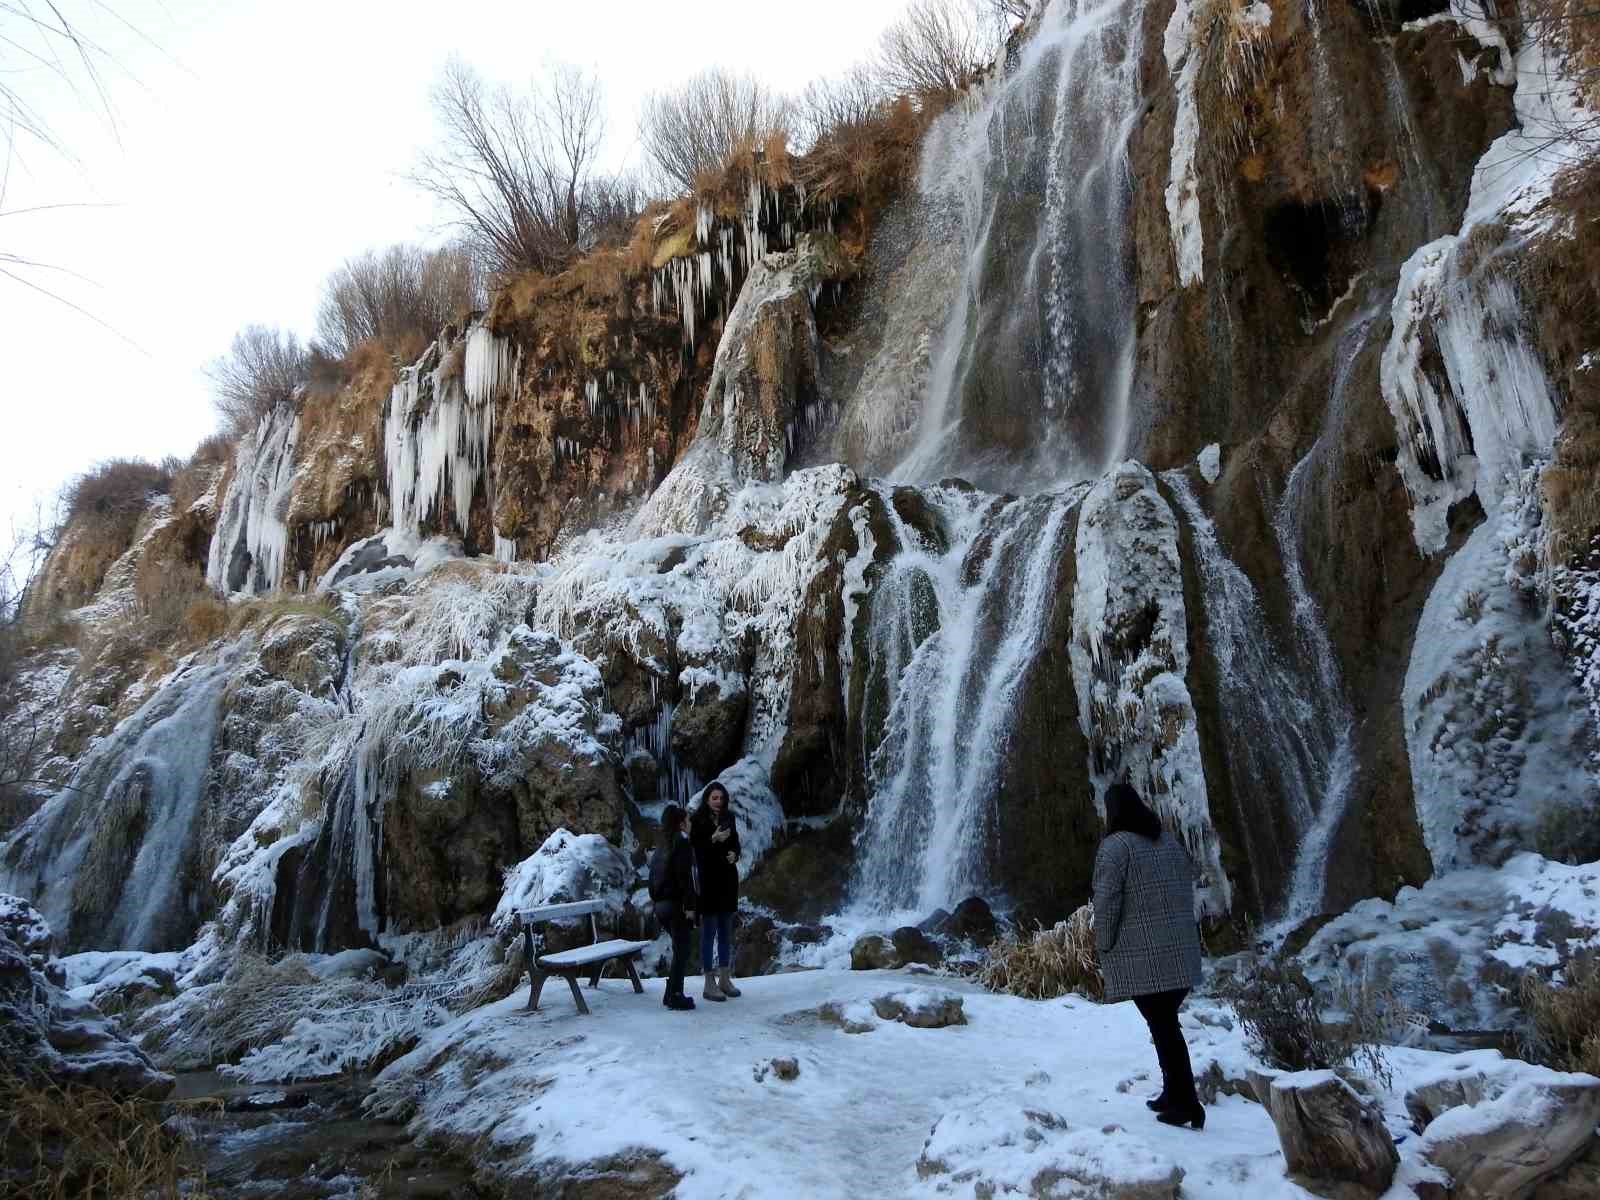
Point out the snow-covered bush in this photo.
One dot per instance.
(1047, 962)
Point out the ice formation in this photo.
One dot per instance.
(251, 542)
(437, 428)
(1184, 48)
(1130, 660)
(1495, 731)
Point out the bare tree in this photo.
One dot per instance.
(1008, 11)
(693, 129)
(262, 368)
(935, 49)
(848, 100)
(396, 296)
(613, 205)
(513, 169)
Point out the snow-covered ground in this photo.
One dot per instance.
(1022, 1087)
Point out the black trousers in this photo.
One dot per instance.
(681, 929)
(1160, 1012)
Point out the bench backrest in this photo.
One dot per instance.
(557, 912)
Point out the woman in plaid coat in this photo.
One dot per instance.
(1149, 945)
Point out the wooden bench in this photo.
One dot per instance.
(589, 960)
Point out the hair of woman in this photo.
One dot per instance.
(671, 822)
(1127, 813)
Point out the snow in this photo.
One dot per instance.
(1210, 461)
(566, 867)
(1028, 1097)
(24, 925)
(544, 1089)
(95, 970)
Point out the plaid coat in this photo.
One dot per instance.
(1144, 924)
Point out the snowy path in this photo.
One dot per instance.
(556, 1087)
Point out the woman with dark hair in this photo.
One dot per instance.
(672, 887)
(1144, 928)
(716, 849)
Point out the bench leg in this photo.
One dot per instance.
(633, 974)
(538, 977)
(594, 979)
(577, 994)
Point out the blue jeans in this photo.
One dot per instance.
(716, 931)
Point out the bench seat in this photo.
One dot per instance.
(584, 956)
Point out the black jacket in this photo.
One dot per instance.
(681, 889)
(719, 878)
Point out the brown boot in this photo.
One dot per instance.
(712, 992)
(725, 983)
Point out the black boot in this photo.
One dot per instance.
(1194, 1117)
(679, 1002)
(1158, 1103)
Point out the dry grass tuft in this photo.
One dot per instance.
(1564, 1018)
(82, 1143)
(1046, 963)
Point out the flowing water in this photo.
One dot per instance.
(1032, 370)
(965, 623)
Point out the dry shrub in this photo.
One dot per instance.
(1563, 1019)
(398, 298)
(79, 1142)
(693, 129)
(264, 610)
(1046, 963)
(1283, 1021)
(117, 489)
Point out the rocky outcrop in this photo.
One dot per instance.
(921, 1008)
(47, 1034)
(1505, 1145)
(1331, 1135)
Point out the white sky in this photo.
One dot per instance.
(256, 145)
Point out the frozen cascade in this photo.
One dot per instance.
(145, 780)
(251, 539)
(954, 674)
(1056, 125)
(437, 429)
(1283, 756)
(1130, 661)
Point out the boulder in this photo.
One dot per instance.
(804, 880)
(854, 1017)
(1505, 1146)
(872, 952)
(973, 921)
(889, 952)
(24, 925)
(708, 724)
(911, 945)
(46, 1033)
(1578, 1181)
(1329, 1133)
(922, 1008)
(755, 946)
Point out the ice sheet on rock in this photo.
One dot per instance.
(1130, 657)
(567, 867)
(1185, 53)
(1492, 409)
(756, 811)
(149, 777)
(1455, 948)
(1494, 731)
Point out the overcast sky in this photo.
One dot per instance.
(252, 146)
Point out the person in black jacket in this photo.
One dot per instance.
(716, 850)
(672, 887)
